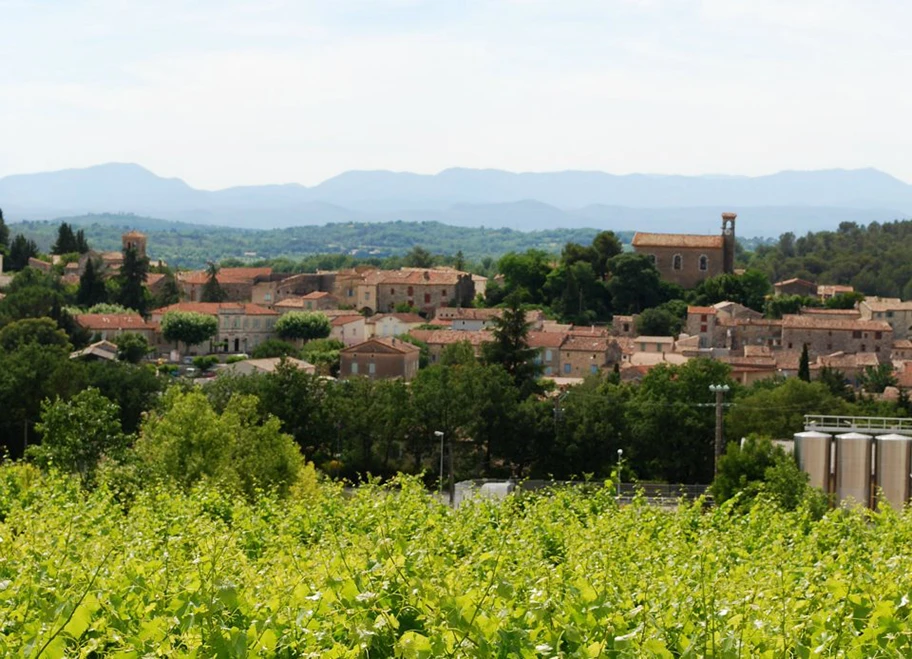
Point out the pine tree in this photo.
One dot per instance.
(132, 279)
(212, 290)
(92, 289)
(804, 365)
(510, 347)
(21, 250)
(66, 240)
(82, 245)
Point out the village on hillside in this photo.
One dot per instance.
(371, 311)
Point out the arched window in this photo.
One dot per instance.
(677, 262)
(704, 262)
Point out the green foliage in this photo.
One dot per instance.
(509, 346)
(844, 300)
(189, 441)
(760, 467)
(418, 257)
(131, 281)
(169, 292)
(302, 325)
(77, 433)
(20, 251)
(4, 234)
(212, 290)
(323, 353)
(132, 347)
(392, 573)
(205, 362)
(780, 305)
(634, 283)
(274, 348)
(658, 321)
(92, 288)
(875, 379)
(66, 242)
(189, 327)
(804, 365)
(750, 289)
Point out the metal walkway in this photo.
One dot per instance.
(868, 425)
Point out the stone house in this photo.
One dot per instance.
(827, 291)
(242, 326)
(236, 283)
(107, 326)
(268, 365)
(687, 260)
(548, 345)
(380, 358)
(701, 322)
(737, 333)
(586, 355)
(316, 301)
(438, 340)
(423, 289)
(623, 325)
(825, 336)
(795, 286)
(895, 312)
(654, 344)
(902, 350)
(350, 329)
(393, 324)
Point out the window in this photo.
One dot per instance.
(367, 295)
(392, 291)
(443, 293)
(354, 368)
(411, 291)
(702, 317)
(268, 297)
(593, 368)
(548, 370)
(256, 323)
(878, 335)
(547, 355)
(626, 327)
(862, 347)
(351, 292)
(704, 263)
(856, 334)
(790, 345)
(652, 259)
(829, 346)
(372, 368)
(889, 314)
(566, 368)
(427, 298)
(876, 348)
(677, 262)
(703, 328)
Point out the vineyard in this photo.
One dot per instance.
(388, 571)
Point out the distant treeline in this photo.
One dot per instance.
(192, 245)
(874, 259)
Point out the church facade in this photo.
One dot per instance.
(686, 259)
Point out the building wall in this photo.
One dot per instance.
(351, 333)
(689, 274)
(899, 319)
(425, 296)
(379, 366)
(549, 360)
(702, 325)
(828, 341)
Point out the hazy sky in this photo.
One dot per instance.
(220, 92)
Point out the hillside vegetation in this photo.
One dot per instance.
(191, 246)
(874, 259)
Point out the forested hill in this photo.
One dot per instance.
(191, 245)
(876, 259)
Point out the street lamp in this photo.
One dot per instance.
(439, 433)
(720, 390)
(620, 455)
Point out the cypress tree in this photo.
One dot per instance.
(132, 279)
(212, 290)
(21, 250)
(804, 365)
(92, 289)
(66, 240)
(4, 234)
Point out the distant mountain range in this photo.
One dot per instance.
(766, 205)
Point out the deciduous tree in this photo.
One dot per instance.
(302, 325)
(189, 327)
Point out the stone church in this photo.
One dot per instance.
(687, 259)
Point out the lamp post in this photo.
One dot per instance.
(620, 455)
(439, 433)
(720, 390)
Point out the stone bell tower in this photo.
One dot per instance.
(135, 240)
(728, 242)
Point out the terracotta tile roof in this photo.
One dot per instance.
(338, 321)
(225, 275)
(888, 305)
(834, 289)
(153, 278)
(842, 360)
(474, 314)
(588, 330)
(677, 240)
(447, 337)
(904, 376)
(902, 344)
(587, 343)
(413, 277)
(316, 295)
(115, 321)
(403, 347)
(757, 351)
(702, 310)
(213, 308)
(545, 339)
(653, 339)
(814, 311)
(822, 323)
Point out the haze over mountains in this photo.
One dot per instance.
(767, 205)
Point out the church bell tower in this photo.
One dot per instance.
(728, 241)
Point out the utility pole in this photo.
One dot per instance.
(452, 478)
(720, 391)
(439, 433)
